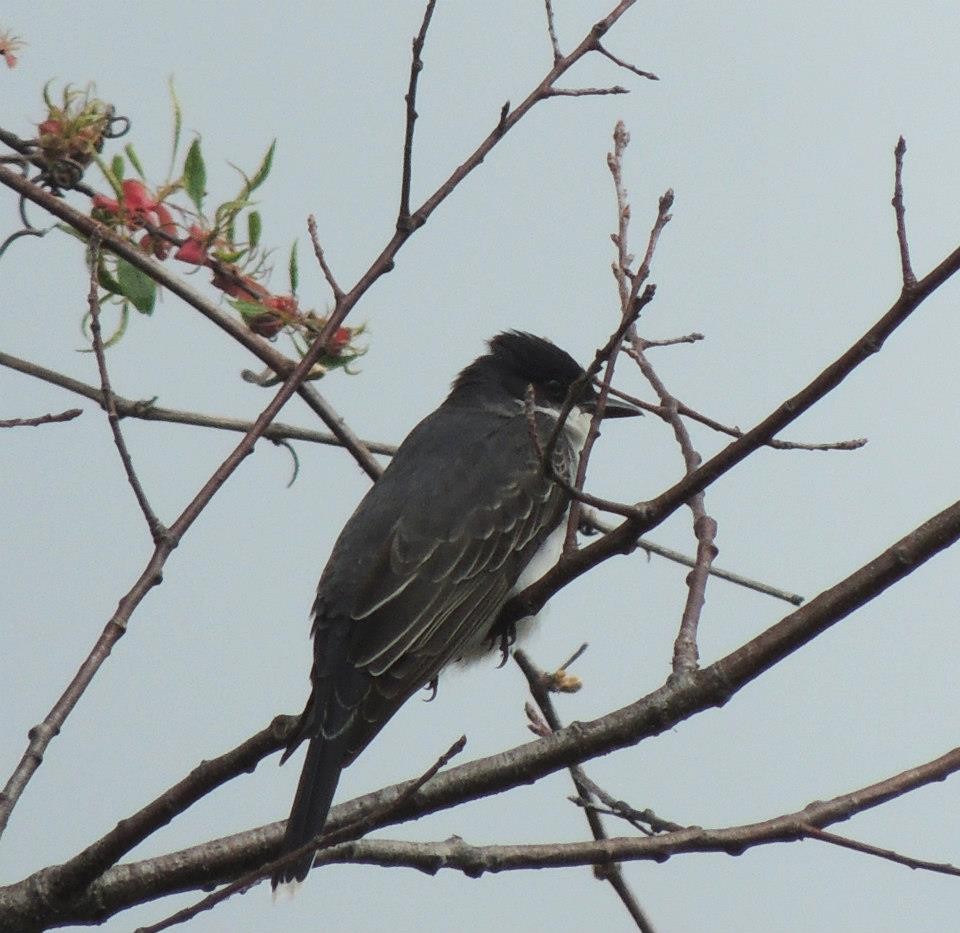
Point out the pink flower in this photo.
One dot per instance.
(136, 198)
(9, 44)
(194, 248)
(103, 203)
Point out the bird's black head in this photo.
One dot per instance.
(518, 360)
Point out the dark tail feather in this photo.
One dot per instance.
(318, 781)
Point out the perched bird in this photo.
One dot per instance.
(462, 518)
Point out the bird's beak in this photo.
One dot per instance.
(615, 408)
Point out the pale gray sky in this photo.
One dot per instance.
(775, 124)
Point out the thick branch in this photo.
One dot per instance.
(659, 711)
(655, 511)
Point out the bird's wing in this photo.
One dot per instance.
(442, 567)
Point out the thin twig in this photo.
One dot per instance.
(853, 444)
(909, 279)
(610, 872)
(157, 530)
(404, 220)
(318, 252)
(585, 91)
(685, 647)
(670, 341)
(685, 653)
(944, 868)
(651, 547)
(67, 415)
(619, 61)
(551, 29)
(148, 411)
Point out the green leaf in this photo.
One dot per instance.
(110, 177)
(247, 309)
(254, 227)
(195, 174)
(294, 269)
(136, 286)
(121, 327)
(228, 256)
(74, 233)
(177, 124)
(116, 166)
(260, 176)
(134, 161)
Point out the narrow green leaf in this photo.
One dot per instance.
(260, 176)
(116, 166)
(136, 286)
(254, 227)
(134, 160)
(247, 309)
(177, 124)
(195, 174)
(74, 233)
(229, 257)
(110, 177)
(294, 268)
(121, 327)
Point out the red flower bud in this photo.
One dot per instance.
(194, 249)
(136, 197)
(285, 304)
(338, 340)
(103, 203)
(50, 128)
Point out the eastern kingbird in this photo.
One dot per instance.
(462, 518)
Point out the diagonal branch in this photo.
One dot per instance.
(655, 511)
(536, 680)
(157, 530)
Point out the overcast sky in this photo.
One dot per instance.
(775, 125)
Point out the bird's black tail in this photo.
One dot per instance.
(318, 781)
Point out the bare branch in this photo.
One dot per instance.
(148, 411)
(685, 653)
(551, 29)
(67, 415)
(585, 91)
(845, 842)
(662, 709)
(619, 61)
(670, 341)
(853, 444)
(593, 519)
(157, 530)
(318, 252)
(536, 679)
(909, 279)
(416, 66)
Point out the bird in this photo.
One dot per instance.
(462, 518)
